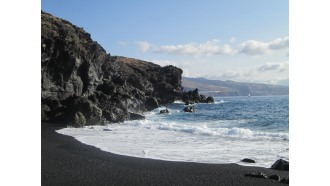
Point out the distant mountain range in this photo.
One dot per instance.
(232, 88)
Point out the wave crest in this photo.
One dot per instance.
(234, 132)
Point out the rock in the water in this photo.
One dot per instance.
(107, 130)
(285, 180)
(209, 99)
(247, 160)
(189, 109)
(274, 177)
(165, 111)
(194, 97)
(281, 165)
(256, 175)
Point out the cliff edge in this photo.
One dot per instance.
(81, 84)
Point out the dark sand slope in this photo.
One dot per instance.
(66, 161)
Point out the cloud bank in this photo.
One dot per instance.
(213, 47)
(253, 47)
(208, 48)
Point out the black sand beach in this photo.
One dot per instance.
(66, 161)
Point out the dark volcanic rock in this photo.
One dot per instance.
(209, 100)
(189, 109)
(165, 111)
(83, 85)
(247, 160)
(79, 119)
(281, 165)
(274, 177)
(193, 96)
(285, 180)
(151, 103)
(134, 116)
(256, 175)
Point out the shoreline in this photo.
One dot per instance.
(66, 161)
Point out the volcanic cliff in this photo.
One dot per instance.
(83, 85)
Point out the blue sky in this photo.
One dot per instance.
(240, 40)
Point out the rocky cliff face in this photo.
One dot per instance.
(83, 85)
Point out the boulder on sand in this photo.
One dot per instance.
(247, 160)
(281, 165)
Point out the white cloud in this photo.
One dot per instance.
(279, 43)
(213, 47)
(253, 47)
(208, 48)
(280, 67)
(143, 46)
(233, 39)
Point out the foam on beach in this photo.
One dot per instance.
(188, 137)
(166, 142)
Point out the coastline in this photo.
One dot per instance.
(66, 161)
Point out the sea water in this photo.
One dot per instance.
(227, 131)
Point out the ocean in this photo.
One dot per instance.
(226, 131)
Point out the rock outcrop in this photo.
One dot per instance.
(193, 96)
(81, 84)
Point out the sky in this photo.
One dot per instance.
(239, 40)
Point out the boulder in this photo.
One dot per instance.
(79, 119)
(285, 180)
(84, 107)
(247, 160)
(281, 165)
(189, 109)
(165, 111)
(209, 100)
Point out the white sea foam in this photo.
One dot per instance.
(167, 141)
(203, 129)
(178, 136)
(179, 102)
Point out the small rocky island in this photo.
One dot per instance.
(82, 85)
